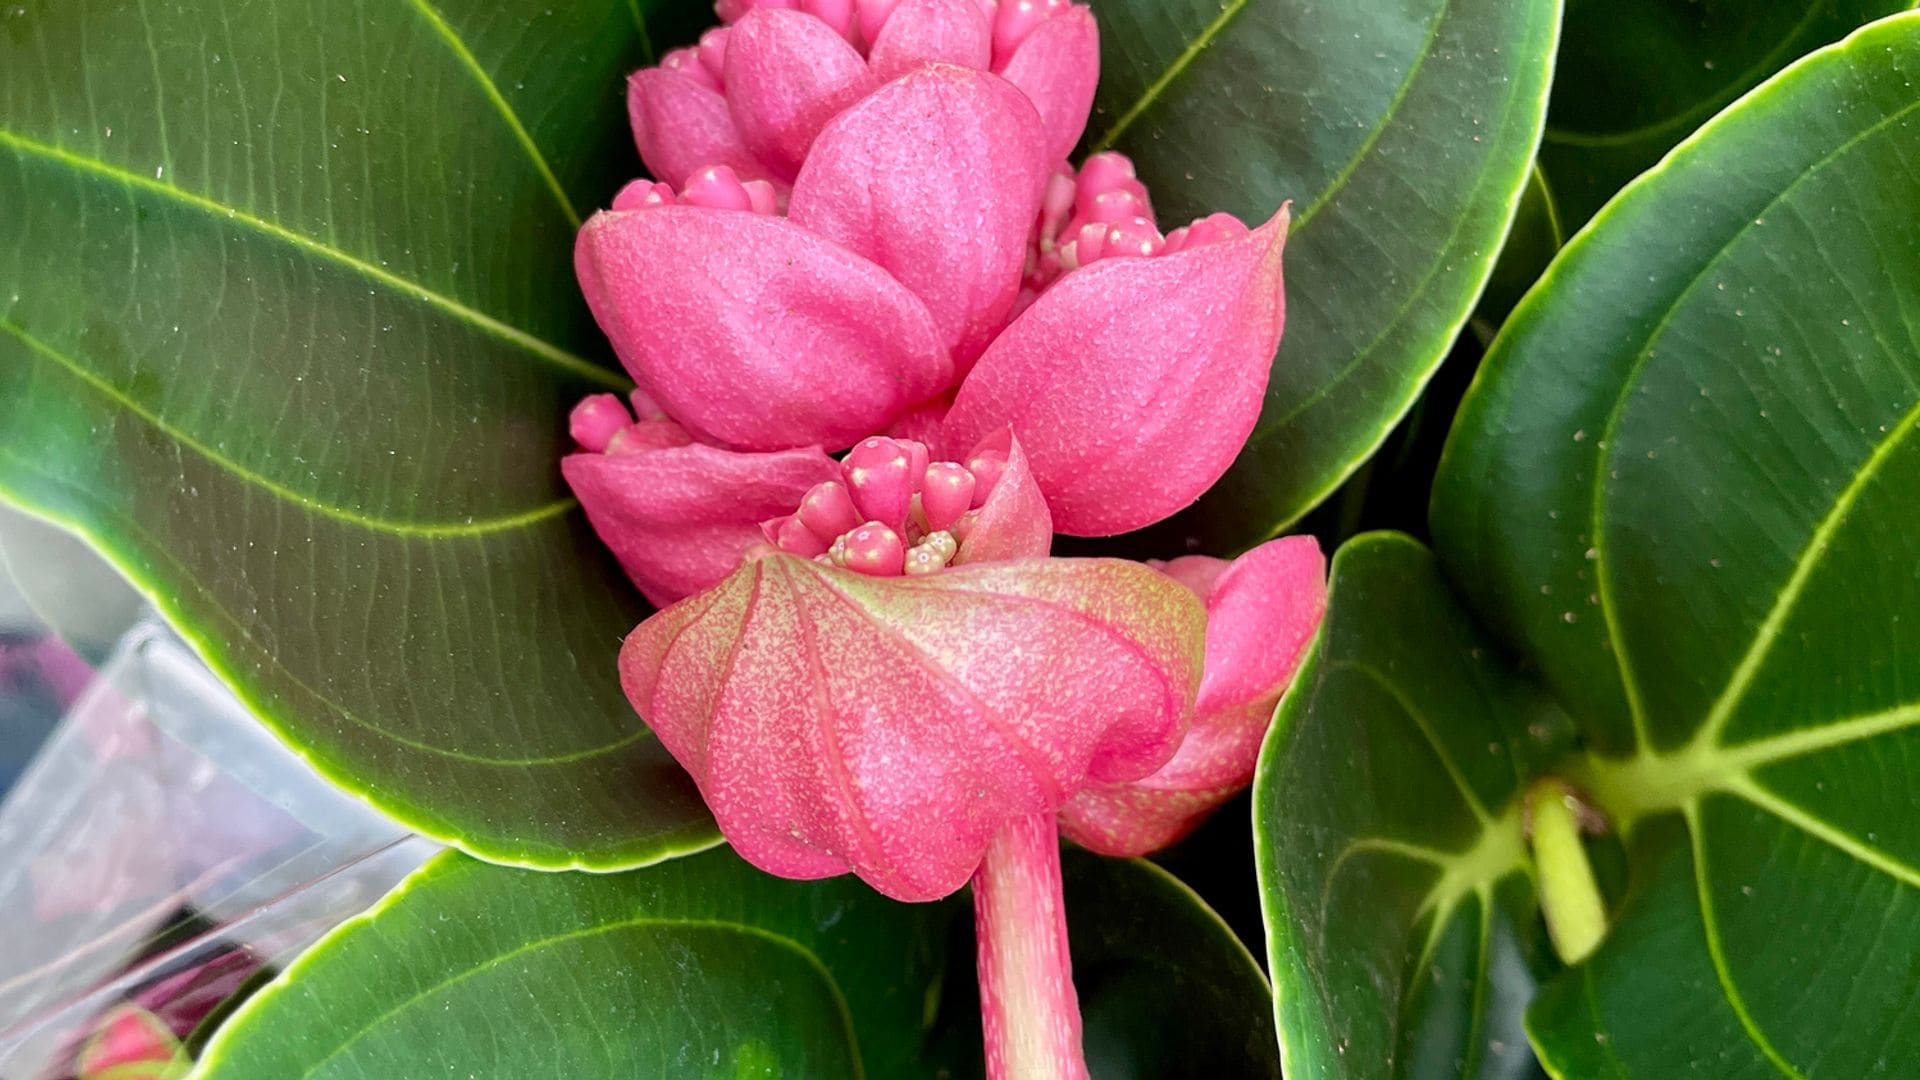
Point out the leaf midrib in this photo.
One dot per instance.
(465, 528)
(538, 348)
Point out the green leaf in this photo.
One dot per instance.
(1403, 133)
(1685, 486)
(1403, 934)
(1537, 236)
(288, 329)
(1637, 76)
(698, 967)
(1166, 989)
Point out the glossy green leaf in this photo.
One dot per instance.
(1685, 486)
(1166, 990)
(288, 329)
(1637, 76)
(1402, 133)
(1402, 930)
(698, 967)
(1537, 236)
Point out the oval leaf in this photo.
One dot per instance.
(698, 967)
(288, 329)
(1685, 485)
(1403, 135)
(1403, 933)
(1634, 77)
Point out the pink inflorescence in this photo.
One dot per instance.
(1103, 212)
(892, 512)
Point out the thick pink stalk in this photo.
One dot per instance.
(1028, 1009)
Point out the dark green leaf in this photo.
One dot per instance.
(1166, 990)
(1637, 76)
(1403, 134)
(1685, 486)
(1404, 937)
(288, 328)
(698, 967)
(1537, 236)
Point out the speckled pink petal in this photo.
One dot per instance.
(682, 127)
(891, 726)
(937, 177)
(1013, 522)
(932, 31)
(1132, 383)
(679, 518)
(788, 73)
(1058, 66)
(753, 332)
(1262, 614)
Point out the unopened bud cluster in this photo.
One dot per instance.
(892, 512)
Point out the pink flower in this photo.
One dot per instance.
(872, 666)
(928, 257)
(1262, 612)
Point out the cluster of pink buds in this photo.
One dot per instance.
(753, 94)
(893, 511)
(1103, 212)
(717, 187)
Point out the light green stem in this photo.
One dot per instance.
(1569, 897)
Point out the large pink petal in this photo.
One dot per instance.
(1058, 66)
(890, 726)
(679, 518)
(682, 127)
(788, 73)
(1132, 383)
(937, 177)
(932, 31)
(1262, 614)
(753, 332)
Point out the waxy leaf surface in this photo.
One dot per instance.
(1403, 934)
(288, 328)
(1634, 77)
(1683, 490)
(1686, 487)
(701, 966)
(1402, 132)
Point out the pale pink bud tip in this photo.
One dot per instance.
(986, 468)
(875, 550)
(790, 534)
(828, 511)
(946, 493)
(1015, 20)
(643, 195)
(881, 476)
(596, 420)
(688, 62)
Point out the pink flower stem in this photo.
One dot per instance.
(1028, 1009)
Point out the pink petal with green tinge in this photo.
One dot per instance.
(890, 726)
(1263, 610)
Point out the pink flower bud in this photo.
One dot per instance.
(875, 550)
(879, 474)
(946, 493)
(594, 422)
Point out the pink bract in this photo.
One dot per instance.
(891, 726)
(1263, 610)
